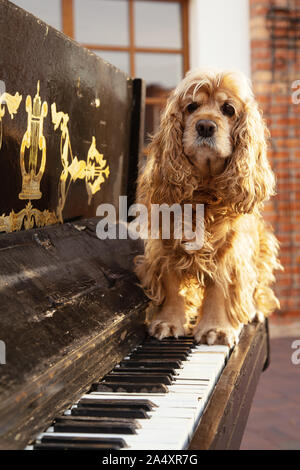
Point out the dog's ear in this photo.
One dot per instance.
(168, 171)
(250, 179)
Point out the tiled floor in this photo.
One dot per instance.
(274, 420)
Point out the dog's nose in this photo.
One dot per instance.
(206, 128)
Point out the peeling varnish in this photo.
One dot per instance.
(95, 103)
(79, 94)
(123, 335)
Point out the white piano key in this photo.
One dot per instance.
(213, 367)
(185, 381)
(173, 412)
(187, 389)
(170, 418)
(189, 397)
(218, 348)
(168, 423)
(193, 374)
(205, 358)
(170, 426)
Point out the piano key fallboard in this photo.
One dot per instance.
(153, 399)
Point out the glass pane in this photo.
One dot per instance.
(50, 12)
(101, 22)
(158, 24)
(152, 120)
(116, 58)
(163, 71)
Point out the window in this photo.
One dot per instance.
(144, 38)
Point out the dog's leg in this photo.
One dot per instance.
(214, 326)
(170, 318)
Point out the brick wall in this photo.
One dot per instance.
(275, 61)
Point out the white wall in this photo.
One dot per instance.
(50, 12)
(219, 34)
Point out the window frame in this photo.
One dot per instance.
(68, 28)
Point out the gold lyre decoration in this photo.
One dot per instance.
(93, 171)
(12, 103)
(32, 169)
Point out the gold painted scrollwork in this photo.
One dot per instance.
(93, 171)
(28, 217)
(96, 170)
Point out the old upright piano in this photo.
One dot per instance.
(77, 369)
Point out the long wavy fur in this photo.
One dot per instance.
(233, 204)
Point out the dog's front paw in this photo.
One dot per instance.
(161, 329)
(226, 335)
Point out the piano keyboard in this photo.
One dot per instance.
(152, 400)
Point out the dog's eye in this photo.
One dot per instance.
(192, 107)
(227, 109)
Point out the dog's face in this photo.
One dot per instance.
(211, 141)
(210, 113)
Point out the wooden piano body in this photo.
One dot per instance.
(71, 133)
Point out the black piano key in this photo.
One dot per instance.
(164, 347)
(158, 356)
(91, 424)
(150, 363)
(157, 370)
(138, 371)
(92, 419)
(180, 340)
(180, 355)
(130, 387)
(137, 378)
(78, 446)
(164, 352)
(146, 405)
(106, 441)
(170, 346)
(112, 412)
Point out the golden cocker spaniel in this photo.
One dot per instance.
(210, 149)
